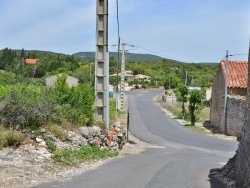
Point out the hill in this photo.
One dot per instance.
(90, 56)
(129, 56)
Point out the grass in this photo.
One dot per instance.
(76, 156)
(202, 113)
(201, 130)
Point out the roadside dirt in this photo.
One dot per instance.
(27, 165)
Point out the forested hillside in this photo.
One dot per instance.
(129, 56)
(167, 72)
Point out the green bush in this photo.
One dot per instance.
(32, 106)
(26, 106)
(112, 110)
(50, 143)
(78, 100)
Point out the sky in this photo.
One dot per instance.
(184, 30)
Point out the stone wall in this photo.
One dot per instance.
(216, 103)
(236, 107)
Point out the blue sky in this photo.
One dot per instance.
(186, 30)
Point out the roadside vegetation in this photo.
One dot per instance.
(28, 106)
(76, 156)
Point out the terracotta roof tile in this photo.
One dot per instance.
(31, 61)
(237, 73)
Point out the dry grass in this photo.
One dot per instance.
(57, 131)
(10, 137)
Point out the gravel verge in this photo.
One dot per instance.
(26, 167)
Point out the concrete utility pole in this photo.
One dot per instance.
(102, 63)
(122, 87)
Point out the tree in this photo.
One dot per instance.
(195, 98)
(7, 61)
(22, 56)
(184, 92)
(112, 65)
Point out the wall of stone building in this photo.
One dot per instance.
(236, 106)
(216, 102)
(237, 91)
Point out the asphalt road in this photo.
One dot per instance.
(178, 158)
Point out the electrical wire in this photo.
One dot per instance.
(153, 51)
(118, 55)
(118, 36)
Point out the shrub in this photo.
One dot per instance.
(14, 138)
(77, 101)
(3, 141)
(28, 106)
(144, 86)
(50, 143)
(58, 132)
(112, 110)
(33, 106)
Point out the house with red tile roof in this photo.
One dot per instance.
(232, 118)
(31, 61)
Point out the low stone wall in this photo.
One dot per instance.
(114, 139)
(104, 139)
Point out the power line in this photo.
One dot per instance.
(118, 50)
(153, 51)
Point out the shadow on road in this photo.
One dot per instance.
(131, 142)
(214, 183)
(211, 127)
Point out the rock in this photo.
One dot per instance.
(115, 138)
(119, 134)
(39, 140)
(77, 140)
(24, 131)
(42, 129)
(91, 131)
(102, 136)
(123, 131)
(117, 124)
(96, 128)
(84, 131)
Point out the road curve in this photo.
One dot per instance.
(180, 159)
